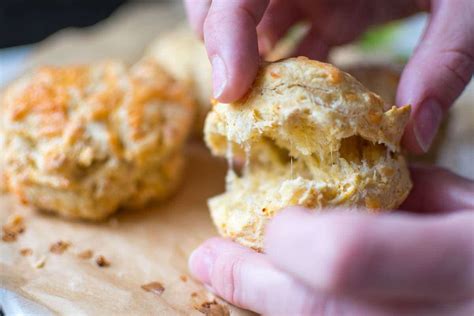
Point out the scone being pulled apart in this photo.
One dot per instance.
(83, 141)
(311, 135)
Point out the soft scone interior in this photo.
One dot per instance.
(310, 135)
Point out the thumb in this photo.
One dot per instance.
(439, 70)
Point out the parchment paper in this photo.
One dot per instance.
(143, 246)
(152, 244)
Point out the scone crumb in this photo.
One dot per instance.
(40, 263)
(102, 262)
(59, 247)
(154, 287)
(212, 308)
(85, 254)
(8, 236)
(194, 294)
(14, 226)
(26, 252)
(183, 278)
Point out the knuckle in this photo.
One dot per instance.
(227, 277)
(210, 22)
(460, 63)
(253, 9)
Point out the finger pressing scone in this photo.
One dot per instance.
(82, 141)
(311, 135)
(184, 56)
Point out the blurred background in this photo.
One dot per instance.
(29, 21)
(26, 22)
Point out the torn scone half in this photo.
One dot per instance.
(311, 135)
(83, 141)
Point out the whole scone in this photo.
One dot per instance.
(184, 56)
(311, 135)
(83, 141)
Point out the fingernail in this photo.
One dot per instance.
(219, 76)
(427, 121)
(200, 264)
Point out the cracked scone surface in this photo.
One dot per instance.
(382, 79)
(311, 135)
(184, 56)
(83, 141)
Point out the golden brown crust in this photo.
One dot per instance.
(308, 96)
(80, 139)
(312, 136)
(380, 78)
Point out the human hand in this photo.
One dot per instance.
(348, 263)
(236, 31)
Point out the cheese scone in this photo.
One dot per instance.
(311, 135)
(83, 141)
(184, 56)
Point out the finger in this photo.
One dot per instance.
(277, 20)
(244, 278)
(313, 46)
(196, 11)
(398, 257)
(439, 70)
(247, 279)
(231, 41)
(437, 190)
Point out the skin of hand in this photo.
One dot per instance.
(348, 263)
(236, 32)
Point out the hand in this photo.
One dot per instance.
(235, 31)
(346, 263)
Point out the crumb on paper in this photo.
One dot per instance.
(154, 287)
(102, 262)
(14, 226)
(59, 247)
(114, 222)
(194, 294)
(85, 254)
(40, 263)
(8, 236)
(212, 308)
(26, 252)
(183, 278)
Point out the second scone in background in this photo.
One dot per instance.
(83, 141)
